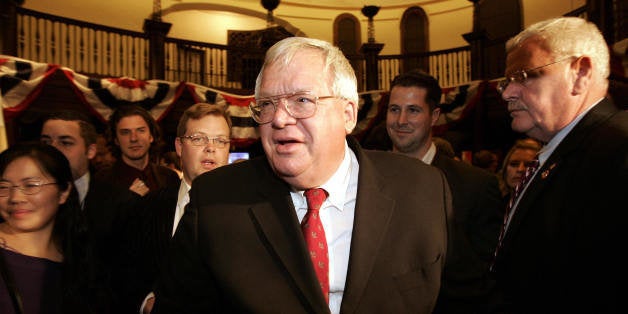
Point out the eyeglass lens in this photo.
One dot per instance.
(28, 188)
(298, 105)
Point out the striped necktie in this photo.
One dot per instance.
(527, 175)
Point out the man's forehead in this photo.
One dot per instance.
(65, 123)
(132, 122)
(410, 95)
(61, 128)
(210, 121)
(524, 55)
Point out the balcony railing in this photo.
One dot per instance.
(85, 47)
(451, 67)
(103, 51)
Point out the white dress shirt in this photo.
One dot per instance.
(336, 215)
(82, 186)
(182, 199)
(430, 154)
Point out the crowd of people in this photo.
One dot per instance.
(102, 223)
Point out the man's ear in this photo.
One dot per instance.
(351, 115)
(583, 71)
(435, 115)
(91, 151)
(177, 146)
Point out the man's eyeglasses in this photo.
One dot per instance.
(203, 140)
(521, 76)
(27, 188)
(299, 105)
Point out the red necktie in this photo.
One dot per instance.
(314, 235)
(527, 175)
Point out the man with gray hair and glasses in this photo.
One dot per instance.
(317, 225)
(561, 246)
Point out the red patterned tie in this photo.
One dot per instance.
(314, 235)
(527, 175)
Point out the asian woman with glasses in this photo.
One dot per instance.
(44, 254)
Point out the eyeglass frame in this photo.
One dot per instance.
(218, 142)
(22, 188)
(503, 84)
(274, 100)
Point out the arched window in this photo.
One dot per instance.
(348, 37)
(414, 38)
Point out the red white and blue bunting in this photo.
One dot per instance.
(21, 82)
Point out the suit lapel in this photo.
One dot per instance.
(373, 211)
(600, 113)
(281, 232)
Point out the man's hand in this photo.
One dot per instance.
(138, 186)
(148, 305)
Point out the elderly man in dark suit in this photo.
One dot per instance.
(562, 250)
(317, 225)
(412, 111)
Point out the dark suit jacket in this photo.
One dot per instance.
(239, 246)
(107, 207)
(131, 235)
(156, 177)
(564, 250)
(144, 235)
(149, 231)
(467, 285)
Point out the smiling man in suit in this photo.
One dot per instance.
(562, 251)
(249, 241)
(412, 112)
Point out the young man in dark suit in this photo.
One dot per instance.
(376, 227)
(106, 205)
(412, 111)
(133, 135)
(75, 136)
(562, 250)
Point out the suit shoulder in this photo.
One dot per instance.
(168, 173)
(397, 164)
(241, 173)
(464, 169)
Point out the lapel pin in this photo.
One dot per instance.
(545, 173)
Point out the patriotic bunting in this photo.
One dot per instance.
(21, 82)
(105, 95)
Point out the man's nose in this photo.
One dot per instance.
(281, 116)
(403, 117)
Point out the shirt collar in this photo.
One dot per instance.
(336, 186)
(183, 197)
(82, 185)
(429, 155)
(549, 148)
